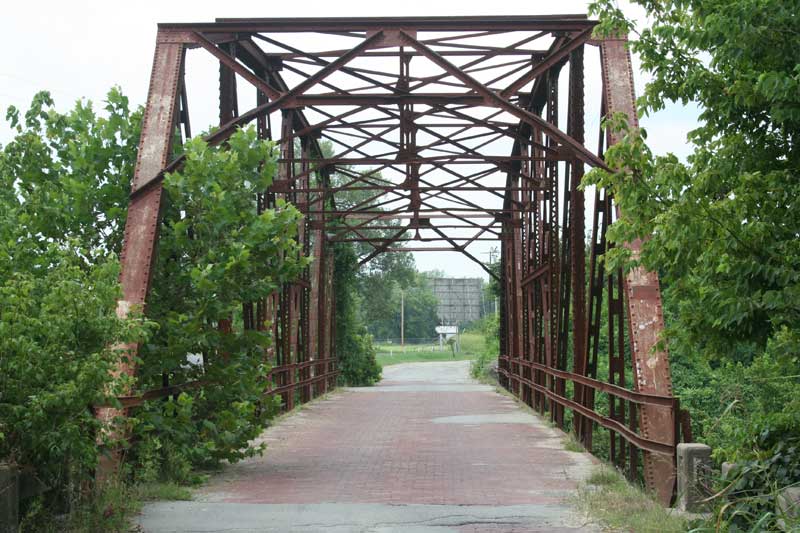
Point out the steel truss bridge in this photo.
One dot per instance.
(419, 134)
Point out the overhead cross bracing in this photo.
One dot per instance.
(421, 117)
(433, 134)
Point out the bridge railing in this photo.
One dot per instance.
(544, 389)
(309, 379)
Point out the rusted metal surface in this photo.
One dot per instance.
(142, 225)
(642, 295)
(652, 446)
(442, 133)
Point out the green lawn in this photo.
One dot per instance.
(388, 354)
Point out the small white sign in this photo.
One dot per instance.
(447, 330)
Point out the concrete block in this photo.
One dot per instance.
(9, 499)
(788, 506)
(726, 469)
(694, 461)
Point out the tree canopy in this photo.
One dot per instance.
(64, 184)
(722, 228)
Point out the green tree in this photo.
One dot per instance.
(420, 310)
(66, 176)
(63, 196)
(216, 252)
(379, 284)
(722, 228)
(381, 293)
(354, 349)
(63, 182)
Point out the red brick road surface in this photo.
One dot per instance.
(427, 435)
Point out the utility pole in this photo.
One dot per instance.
(493, 252)
(402, 319)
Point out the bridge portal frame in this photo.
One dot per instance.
(550, 311)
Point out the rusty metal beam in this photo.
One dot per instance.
(493, 98)
(548, 62)
(142, 224)
(643, 295)
(498, 23)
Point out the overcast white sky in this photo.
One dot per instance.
(80, 49)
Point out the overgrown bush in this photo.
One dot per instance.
(64, 183)
(748, 498)
(62, 191)
(56, 327)
(216, 251)
(489, 327)
(354, 349)
(750, 414)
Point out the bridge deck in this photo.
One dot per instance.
(419, 452)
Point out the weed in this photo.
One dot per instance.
(603, 477)
(607, 497)
(106, 510)
(161, 491)
(572, 445)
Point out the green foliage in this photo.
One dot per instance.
(722, 228)
(752, 486)
(62, 183)
(749, 415)
(492, 289)
(380, 288)
(420, 310)
(65, 177)
(216, 251)
(354, 348)
(110, 510)
(490, 328)
(56, 327)
(64, 191)
(734, 402)
(472, 342)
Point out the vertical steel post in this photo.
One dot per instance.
(502, 364)
(316, 291)
(302, 203)
(142, 224)
(288, 307)
(646, 321)
(330, 321)
(575, 128)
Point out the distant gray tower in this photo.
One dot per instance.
(460, 299)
